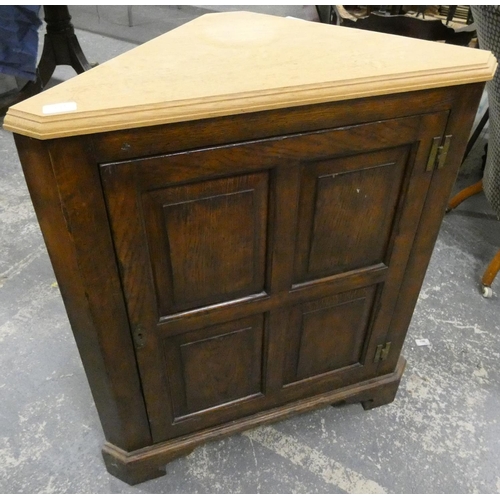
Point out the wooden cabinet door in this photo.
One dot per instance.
(260, 272)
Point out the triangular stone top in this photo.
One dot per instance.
(239, 62)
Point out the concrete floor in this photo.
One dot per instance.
(441, 434)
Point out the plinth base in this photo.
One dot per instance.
(148, 463)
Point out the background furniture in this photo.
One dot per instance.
(243, 250)
(404, 21)
(487, 18)
(61, 47)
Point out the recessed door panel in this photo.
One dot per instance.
(348, 206)
(207, 241)
(215, 366)
(328, 334)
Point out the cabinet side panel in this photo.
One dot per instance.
(460, 121)
(67, 198)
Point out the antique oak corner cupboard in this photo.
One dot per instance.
(240, 214)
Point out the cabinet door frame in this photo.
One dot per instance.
(126, 187)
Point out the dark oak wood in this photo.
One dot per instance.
(148, 463)
(200, 381)
(179, 137)
(225, 273)
(459, 124)
(221, 224)
(328, 334)
(190, 231)
(366, 187)
(58, 174)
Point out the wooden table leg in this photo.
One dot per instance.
(464, 194)
(490, 274)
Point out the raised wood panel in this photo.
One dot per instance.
(327, 338)
(222, 249)
(327, 334)
(216, 365)
(207, 241)
(347, 208)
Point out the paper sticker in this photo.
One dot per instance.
(60, 107)
(421, 342)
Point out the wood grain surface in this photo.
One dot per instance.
(240, 62)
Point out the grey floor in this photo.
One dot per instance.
(441, 434)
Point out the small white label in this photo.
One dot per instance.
(421, 342)
(60, 107)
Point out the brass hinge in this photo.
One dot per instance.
(139, 335)
(382, 352)
(438, 153)
(443, 152)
